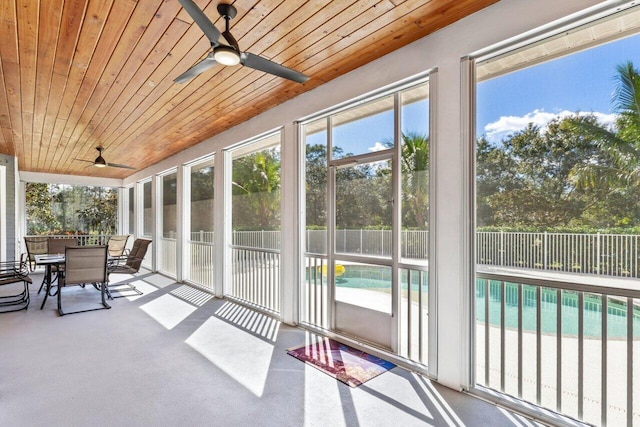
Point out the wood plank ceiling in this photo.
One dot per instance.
(77, 74)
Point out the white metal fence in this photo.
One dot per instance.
(201, 270)
(565, 346)
(83, 239)
(414, 244)
(256, 277)
(598, 254)
(168, 256)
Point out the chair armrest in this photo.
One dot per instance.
(13, 270)
(115, 261)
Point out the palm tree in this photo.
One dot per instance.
(257, 178)
(415, 179)
(619, 166)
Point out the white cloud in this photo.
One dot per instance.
(506, 125)
(377, 147)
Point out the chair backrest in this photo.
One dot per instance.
(137, 253)
(56, 246)
(117, 244)
(36, 246)
(85, 264)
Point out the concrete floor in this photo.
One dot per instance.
(177, 356)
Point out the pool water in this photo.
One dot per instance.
(380, 280)
(592, 314)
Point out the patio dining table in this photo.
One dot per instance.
(48, 261)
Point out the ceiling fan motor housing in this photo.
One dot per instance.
(227, 11)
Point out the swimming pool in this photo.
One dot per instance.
(362, 277)
(592, 313)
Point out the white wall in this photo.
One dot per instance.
(50, 178)
(508, 20)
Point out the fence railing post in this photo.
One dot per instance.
(598, 253)
(545, 250)
(501, 248)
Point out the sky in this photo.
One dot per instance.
(582, 82)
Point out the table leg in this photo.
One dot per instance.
(47, 278)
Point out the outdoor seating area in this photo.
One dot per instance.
(64, 262)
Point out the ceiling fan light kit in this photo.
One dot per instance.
(229, 54)
(226, 55)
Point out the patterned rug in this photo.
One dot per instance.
(352, 367)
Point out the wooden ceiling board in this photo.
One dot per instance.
(48, 32)
(102, 96)
(109, 38)
(86, 46)
(82, 73)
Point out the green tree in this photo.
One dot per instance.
(316, 185)
(526, 180)
(100, 212)
(40, 218)
(363, 196)
(256, 191)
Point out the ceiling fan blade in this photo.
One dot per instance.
(115, 165)
(200, 67)
(83, 160)
(201, 19)
(262, 64)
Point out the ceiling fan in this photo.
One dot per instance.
(228, 53)
(100, 162)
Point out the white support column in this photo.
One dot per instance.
(222, 221)
(157, 222)
(450, 179)
(123, 209)
(180, 223)
(290, 258)
(139, 209)
(3, 213)
(21, 215)
(432, 274)
(467, 253)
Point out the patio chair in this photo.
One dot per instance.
(85, 264)
(117, 245)
(131, 265)
(12, 272)
(57, 246)
(35, 246)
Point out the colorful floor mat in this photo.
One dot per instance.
(352, 367)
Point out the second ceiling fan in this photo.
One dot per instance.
(100, 162)
(228, 53)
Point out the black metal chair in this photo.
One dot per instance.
(86, 264)
(12, 272)
(129, 264)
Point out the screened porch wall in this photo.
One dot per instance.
(451, 158)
